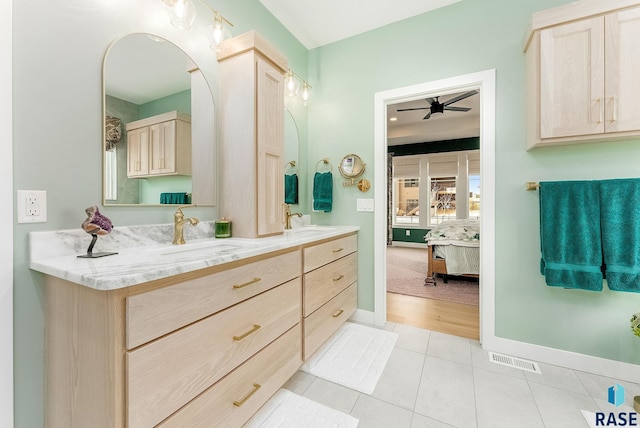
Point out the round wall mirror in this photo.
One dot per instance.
(351, 166)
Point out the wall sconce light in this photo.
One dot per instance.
(181, 12)
(292, 85)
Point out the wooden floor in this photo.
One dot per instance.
(436, 315)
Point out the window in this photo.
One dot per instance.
(474, 197)
(443, 199)
(406, 200)
(110, 175)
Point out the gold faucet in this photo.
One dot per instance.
(178, 224)
(287, 216)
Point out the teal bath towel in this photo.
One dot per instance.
(291, 188)
(570, 238)
(620, 214)
(181, 198)
(323, 191)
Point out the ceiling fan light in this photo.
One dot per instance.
(182, 13)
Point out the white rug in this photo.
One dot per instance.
(288, 410)
(355, 357)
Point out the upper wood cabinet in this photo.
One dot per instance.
(252, 149)
(159, 145)
(582, 66)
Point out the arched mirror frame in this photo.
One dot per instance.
(203, 132)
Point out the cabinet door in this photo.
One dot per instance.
(622, 70)
(138, 152)
(162, 148)
(572, 79)
(270, 148)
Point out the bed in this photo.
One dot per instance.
(454, 249)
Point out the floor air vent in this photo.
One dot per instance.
(514, 362)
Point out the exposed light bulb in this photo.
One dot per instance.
(218, 33)
(182, 13)
(291, 84)
(306, 94)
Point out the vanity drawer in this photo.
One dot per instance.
(158, 312)
(164, 375)
(320, 325)
(270, 368)
(321, 254)
(322, 284)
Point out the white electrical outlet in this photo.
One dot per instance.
(32, 206)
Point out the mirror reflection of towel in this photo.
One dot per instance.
(181, 198)
(323, 191)
(291, 188)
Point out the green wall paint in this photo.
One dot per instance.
(347, 74)
(180, 101)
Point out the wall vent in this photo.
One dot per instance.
(514, 362)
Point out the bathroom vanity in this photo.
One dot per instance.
(188, 335)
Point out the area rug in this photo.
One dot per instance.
(354, 357)
(457, 290)
(286, 409)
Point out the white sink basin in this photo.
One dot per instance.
(208, 247)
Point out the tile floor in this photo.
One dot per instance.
(438, 380)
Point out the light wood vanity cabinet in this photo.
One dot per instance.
(330, 289)
(252, 148)
(159, 145)
(582, 67)
(179, 349)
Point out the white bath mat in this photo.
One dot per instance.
(354, 357)
(288, 410)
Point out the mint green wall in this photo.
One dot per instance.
(466, 37)
(180, 101)
(57, 121)
(151, 188)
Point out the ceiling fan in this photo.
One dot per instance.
(436, 106)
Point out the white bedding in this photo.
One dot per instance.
(458, 242)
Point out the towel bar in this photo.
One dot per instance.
(532, 185)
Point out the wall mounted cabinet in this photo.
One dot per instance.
(252, 143)
(582, 68)
(159, 145)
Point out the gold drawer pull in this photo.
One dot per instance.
(255, 328)
(337, 314)
(253, 281)
(256, 387)
(338, 278)
(338, 250)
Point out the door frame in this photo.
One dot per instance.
(485, 82)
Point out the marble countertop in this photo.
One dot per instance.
(144, 256)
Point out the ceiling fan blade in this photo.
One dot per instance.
(410, 109)
(427, 116)
(457, 108)
(430, 100)
(459, 97)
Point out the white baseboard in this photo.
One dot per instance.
(408, 244)
(362, 316)
(573, 360)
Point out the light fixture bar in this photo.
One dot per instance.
(216, 12)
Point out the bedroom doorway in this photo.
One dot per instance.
(484, 83)
(434, 154)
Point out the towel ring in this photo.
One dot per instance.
(290, 168)
(324, 162)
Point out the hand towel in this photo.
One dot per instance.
(323, 191)
(181, 198)
(620, 214)
(291, 188)
(570, 238)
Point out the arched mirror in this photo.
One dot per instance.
(158, 143)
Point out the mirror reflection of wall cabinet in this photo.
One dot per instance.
(146, 78)
(159, 145)
(252, 145)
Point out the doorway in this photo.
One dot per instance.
(484, 82)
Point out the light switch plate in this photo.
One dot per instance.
(32, 206)
(365, 205)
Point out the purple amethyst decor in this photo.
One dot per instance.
(96, 224)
